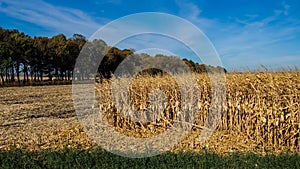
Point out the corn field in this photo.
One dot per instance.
(260, 113)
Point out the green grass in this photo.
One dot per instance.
(95, 158)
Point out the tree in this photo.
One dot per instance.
(73, 51)
(57, 56)
(41, 61)
(111, 60)
(58, 50)
(5, 54)
(79, 40)
(13, 41)
(27, 47)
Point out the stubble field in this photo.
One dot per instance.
(260, 115)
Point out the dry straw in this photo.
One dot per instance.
(261, 114)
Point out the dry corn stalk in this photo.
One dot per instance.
(261, 113)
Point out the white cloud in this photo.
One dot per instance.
(61, 19)
(188, 10)
(237, 40)
(149, 30)
(286, 8)
(192, 13)
(252, 39)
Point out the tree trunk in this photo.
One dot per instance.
(68, 74)
(56, 73)
(34, 76)
(50, 76)
(6, 74)
(12, 73)
(41, 75)
(2, 78)
(26, 76)
(61, 74)
(18, 71)
(25, 71)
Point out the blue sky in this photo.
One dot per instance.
(245, 33)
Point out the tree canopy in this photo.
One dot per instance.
(24, 58)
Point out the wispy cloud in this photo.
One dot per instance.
(61, 19)
(265, 31)
(159, 30)
(188, 10)
(252, 39)
(286, 8)
(192, 12)
(256, 38)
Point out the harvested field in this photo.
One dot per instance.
(39, 117)
(261, 114)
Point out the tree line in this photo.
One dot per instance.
(24, 58)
